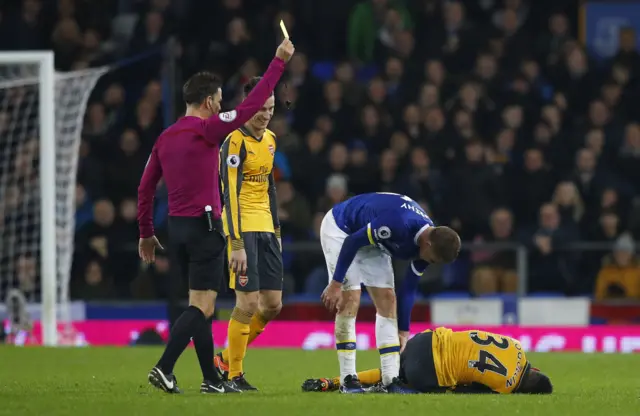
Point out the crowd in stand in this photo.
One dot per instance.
(490, 114)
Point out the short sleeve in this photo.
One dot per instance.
(383, 229)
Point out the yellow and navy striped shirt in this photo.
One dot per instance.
(466, 357)
(248, 186)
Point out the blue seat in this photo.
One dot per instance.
(501, 296)
(323, 70)
(546, 295)
(451, 295)
(365, 73)
(303, 298)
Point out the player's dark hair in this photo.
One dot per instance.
(445, 243)
(250, 85)
(535, 382)
(199, 87)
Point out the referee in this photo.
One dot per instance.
(186, 156)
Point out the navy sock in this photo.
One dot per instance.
(181, 333)
(203, 341)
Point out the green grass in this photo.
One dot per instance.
(112, 381)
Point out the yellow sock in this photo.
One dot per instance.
(238, 334)
(256, 327)
(258, 322)
(370, 377)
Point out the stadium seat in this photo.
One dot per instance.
(451, 295)
(303, 298)
(546, 295)
(365, 73)
(501, 296)
(324, 70)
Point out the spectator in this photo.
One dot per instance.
(129, 163)
(550, 46)
(124, 254)
(570, 206)
(619, 277)
(588, 181)
(629, 161)
(293, 210)
(476, 190)
(27, 272)
(95, 237)
(551, 269)
(454, 38)
(495, 270)
(345, 74)
(336, 192)
(530, 187)
(372, 21)
(95, 285)
(67, 43)
(114, 103)
(627, 53)
(360, 169)
(310, 168)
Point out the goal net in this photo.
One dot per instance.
(41, 118)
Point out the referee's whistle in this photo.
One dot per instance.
(208, 210)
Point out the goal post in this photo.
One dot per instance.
(36, 102)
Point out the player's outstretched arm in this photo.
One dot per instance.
(146, 191)
(407, 293)
(350, 247)
(218, 126)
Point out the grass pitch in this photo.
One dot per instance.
(112, 381)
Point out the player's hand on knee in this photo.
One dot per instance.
(147, 249)
(331, 295)
(238, 262)
(285, 50)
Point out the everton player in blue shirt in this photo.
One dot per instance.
(359, 237)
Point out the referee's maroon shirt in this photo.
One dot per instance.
(186, 155)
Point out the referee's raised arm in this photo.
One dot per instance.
(176, 155)
(186, 155)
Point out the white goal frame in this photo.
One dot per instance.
(47, 178)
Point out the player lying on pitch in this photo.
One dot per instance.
(457, 361)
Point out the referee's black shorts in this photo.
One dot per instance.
(417, 368)
(196, 253)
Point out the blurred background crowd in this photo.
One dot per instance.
(489, 113)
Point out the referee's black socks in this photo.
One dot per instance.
(191, 324)
(203, 341)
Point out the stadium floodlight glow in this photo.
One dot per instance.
(41, 118)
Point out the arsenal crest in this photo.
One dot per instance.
(243, 280)
(272, 149)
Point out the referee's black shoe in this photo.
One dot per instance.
(219, 387)
(242, 383)
(165, 382)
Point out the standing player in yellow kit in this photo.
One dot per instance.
(250, 221)
(460, 362)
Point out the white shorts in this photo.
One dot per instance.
(370, 267)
